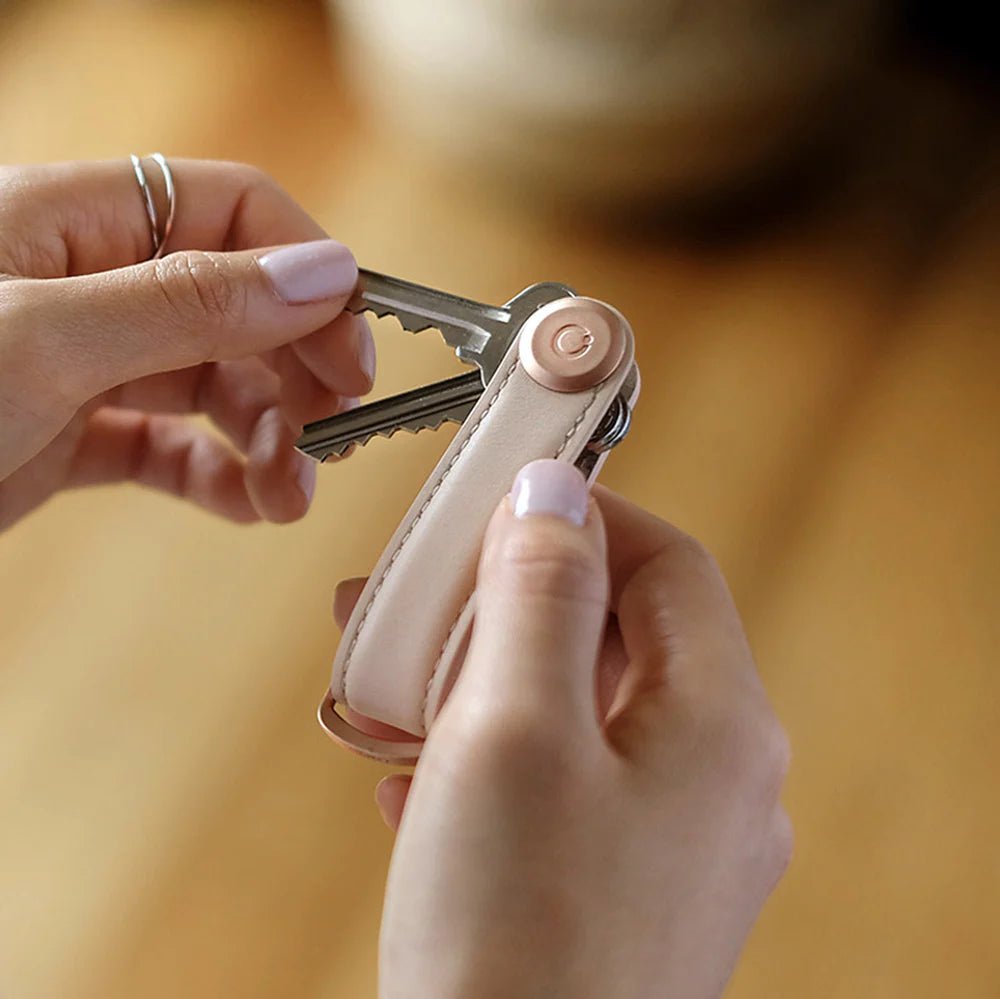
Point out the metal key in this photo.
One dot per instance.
(424, 408)
(447, 401)
(479, 333)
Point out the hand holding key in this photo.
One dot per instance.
(557, 378)
(480, 334)
(103, 351)
(596, 810)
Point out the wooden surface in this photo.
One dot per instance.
(820, 405)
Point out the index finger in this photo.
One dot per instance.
(94, 212)
(674, 608)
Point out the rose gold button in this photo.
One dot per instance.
(573, 340)
(572, 344)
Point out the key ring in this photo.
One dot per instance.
(160, 240)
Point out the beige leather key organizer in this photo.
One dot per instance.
(556, 379)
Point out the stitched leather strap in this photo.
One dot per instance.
(405, 641)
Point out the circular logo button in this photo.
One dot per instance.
(572, 344)
(573, 340)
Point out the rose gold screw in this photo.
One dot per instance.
(573, 340)
(572, 344)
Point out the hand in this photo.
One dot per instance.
(99, 354)
(595, 812)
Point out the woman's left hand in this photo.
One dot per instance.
(102, 350)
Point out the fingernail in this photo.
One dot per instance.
(311, 272)
(306, 476)
(383, 800)
(550, 488)
(366, 352)
(390, 796)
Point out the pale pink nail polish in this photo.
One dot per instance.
(550, 488)
(306, 476)
(311, 272)
(366, 351)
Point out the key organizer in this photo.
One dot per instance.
(562, 384)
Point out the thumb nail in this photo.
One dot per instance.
(550, 488)
(306, 476)
(310, 272)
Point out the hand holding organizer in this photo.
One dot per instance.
(556, 379)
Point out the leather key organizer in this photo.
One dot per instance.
(563, 387)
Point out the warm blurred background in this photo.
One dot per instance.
(797, 207)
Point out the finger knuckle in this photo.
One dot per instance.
(508, 739)
(549, 565)
(256, 184)
(696, 555)
(781, 844)
(198, 288)
(754, 753)
(771, 756)
(253, 176)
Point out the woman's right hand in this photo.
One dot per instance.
(596, 810)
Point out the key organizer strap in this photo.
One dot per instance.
(404, 644)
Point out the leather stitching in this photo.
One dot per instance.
(570, 434)
(440, 659)
(349, 658)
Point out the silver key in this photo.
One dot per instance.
(447, 401)
(425, 408)
(480, 334)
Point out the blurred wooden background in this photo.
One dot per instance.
(820, 406)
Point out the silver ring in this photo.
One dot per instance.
(159, 239)
(168, 182)
(147, 197)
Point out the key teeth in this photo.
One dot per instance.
(411, 324)
(470, 351)
(412, 327)
(341, 450)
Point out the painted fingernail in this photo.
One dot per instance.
(384, 800)
(311, 272)
(550, 488)
(306, 476)
(366, 351)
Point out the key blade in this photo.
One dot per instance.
(426, 408)
(337, 445)
(467, 326)
(480, 334)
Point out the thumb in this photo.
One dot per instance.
(542, 600)
(184, 309)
